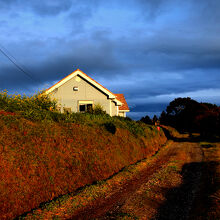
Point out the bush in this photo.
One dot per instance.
(109, 126)
(36, 107)
(97, 110)
(40, 107)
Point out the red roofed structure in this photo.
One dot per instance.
(124, 107)
(78, 92)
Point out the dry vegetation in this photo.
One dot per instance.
(49, 155)
(66, 166)
(146, 190)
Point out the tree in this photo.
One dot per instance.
(181, 113)
(208, 121)
(186, 114)
(155, 119)
(163, 118)
(146, 120)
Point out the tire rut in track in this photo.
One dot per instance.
(109, 207)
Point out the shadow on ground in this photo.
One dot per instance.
(190, 138)
(192, 199)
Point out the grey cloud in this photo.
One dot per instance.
(92, 63)
(151, 9)
(102, 59)
(14, 80)
(171, 52)
(207, 11)
(76, 9)
(6, 4)
(50, 7)
(150, 107)
(173, 58)
(96, 59)
(146, 88)
(45, 7)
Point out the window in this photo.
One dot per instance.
(89, 107)
(85, 106)
(82, 108)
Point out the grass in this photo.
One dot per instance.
(40, 107)
(64, 206)
(45, 154)
(173, 133)
(166, 177)
(106, 156)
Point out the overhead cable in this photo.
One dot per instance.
(17, 65)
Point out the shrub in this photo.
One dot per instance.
(40, 107)
(97, 110)
(36, 107)
(109, 126)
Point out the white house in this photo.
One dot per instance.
(78, 92)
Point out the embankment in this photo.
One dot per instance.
(43, 160)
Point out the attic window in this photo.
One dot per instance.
(75, 88)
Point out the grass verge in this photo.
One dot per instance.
(66, 206)
(41, 160)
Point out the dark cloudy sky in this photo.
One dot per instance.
(151, 50)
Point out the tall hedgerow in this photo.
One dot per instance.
(41, 107)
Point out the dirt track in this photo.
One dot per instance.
(165, 189)
(180, 182)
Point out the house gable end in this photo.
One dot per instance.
(84, 76)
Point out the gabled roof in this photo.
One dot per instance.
(89, 79)
(124, 106)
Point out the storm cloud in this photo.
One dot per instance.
(152, 51)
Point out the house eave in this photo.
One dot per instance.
(118, 103)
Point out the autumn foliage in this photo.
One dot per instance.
(41, 160)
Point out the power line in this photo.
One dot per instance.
(15, 60)
(8, 52)
(17, 65)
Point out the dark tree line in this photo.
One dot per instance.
(148, 120)
(188, 115)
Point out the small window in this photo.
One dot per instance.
(85, 107)
(89, 107)
(82, 108)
